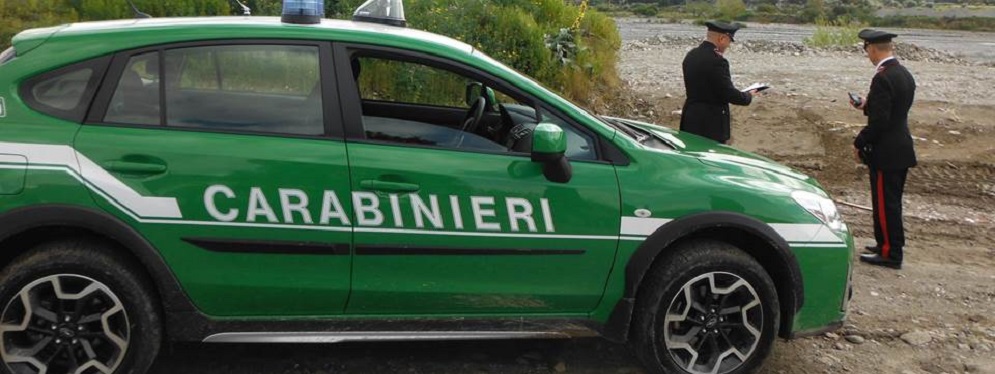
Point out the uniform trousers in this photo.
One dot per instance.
(887, 187)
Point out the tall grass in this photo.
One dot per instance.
(834, 33)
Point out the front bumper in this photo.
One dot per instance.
(827, 273)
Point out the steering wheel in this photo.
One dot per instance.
(472, 120)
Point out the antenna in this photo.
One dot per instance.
(246, 11)
(138, 13)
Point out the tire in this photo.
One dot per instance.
(74, 300)
(672, 335)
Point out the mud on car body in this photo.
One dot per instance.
(237, 179)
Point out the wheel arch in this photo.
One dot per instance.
(753, 236)
(24, 228)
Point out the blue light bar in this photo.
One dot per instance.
(303, 11)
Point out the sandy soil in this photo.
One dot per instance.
(947, 288)
(937, 315)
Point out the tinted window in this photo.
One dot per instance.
(136, 98)
(66, 92)
(255, 88)
(63, 91)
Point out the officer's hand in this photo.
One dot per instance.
(863, 103)
(753, 93)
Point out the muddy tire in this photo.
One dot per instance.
(706, 307)
(73, 306)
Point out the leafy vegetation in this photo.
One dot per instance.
(648, 10)
(931, 14)
(566, 47)
(834, 33)
(945, 23)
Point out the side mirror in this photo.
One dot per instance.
(476, 90)
(549, 147)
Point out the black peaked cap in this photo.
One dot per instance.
(871, 36)
(725, 28)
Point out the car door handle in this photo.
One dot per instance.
(128, 167)
(377, 185)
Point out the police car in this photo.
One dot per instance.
(268, 180)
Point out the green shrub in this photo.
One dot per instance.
(730, 9)
(834, 33)
(767, 9)
(648, 10)
(699, 9)
(946, 23)
(512, 31)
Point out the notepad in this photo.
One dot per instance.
(757, 86)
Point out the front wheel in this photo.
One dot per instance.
(72, 307)
(706, 308)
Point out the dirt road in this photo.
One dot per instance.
(935, 316)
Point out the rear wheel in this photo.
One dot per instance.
(706, 308)
(72, 307)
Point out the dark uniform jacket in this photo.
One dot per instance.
(886, 135)
(709, 93)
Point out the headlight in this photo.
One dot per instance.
(821, 207)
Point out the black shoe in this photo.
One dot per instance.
(877, 260)
(873, 249)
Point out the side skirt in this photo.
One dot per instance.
(375, 336)
(195, 327)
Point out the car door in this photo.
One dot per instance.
(449, 221)
(227, 157)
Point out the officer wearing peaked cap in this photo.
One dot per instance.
(708, 85)
(885, 145)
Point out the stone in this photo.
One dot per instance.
(561, 367)
(832, 336)
(855, 339)
(917, 338)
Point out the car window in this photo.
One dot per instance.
(63, 91)
(136, 98)
(580, 146)
(253, 88)
(412, 103)
(412, 83)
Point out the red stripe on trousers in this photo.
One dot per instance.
(886, 248)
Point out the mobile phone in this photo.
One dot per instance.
(855, 99)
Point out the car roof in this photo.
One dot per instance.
(151, 31)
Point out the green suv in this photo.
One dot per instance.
(246, 180)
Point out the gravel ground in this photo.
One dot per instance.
(937, 315)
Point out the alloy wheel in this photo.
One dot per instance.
(64, 323)
(713, 324)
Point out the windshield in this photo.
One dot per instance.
(633, 132)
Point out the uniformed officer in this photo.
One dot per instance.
(885, 145)
(709, 87)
